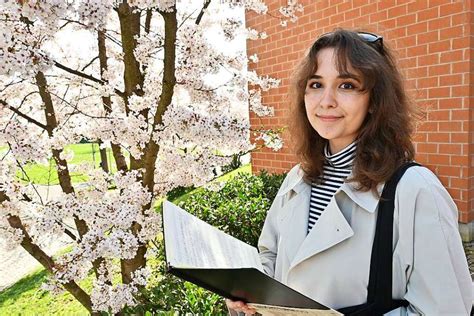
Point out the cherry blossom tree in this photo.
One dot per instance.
(144, 90)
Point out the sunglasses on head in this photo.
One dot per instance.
(372, 39)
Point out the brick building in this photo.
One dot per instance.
(434, 43)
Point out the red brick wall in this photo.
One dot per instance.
(434, 44)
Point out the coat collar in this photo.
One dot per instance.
(366, 200)
(295, 182)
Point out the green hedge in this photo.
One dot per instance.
(239, 209)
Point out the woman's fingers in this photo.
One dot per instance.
(240, 306)
(233, 304)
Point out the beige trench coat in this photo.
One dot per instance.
(331, 264)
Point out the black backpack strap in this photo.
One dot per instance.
(380, 285)
(379, 296)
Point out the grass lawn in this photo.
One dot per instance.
(27, 298)
(46, 174)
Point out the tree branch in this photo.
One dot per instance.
(90, 63)
(133, 81)
(169, 82)
(149, 14)
(45, 260)
(120, 161)
(201, 14)
(132, 76)
(28, 199)
(77, 73)
(21, 114)
(8, 85)
(64, 176)
(86, 76)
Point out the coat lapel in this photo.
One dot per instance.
(330, 229)
(294, 224)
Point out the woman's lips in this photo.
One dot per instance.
(328, 118)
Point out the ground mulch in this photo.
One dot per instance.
(469, 250)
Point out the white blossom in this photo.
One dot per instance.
(162, 5)
(53, 287)
(231, 27)
(256, 5)
(271, 140)
(290, 11)
(107, 297)
(253, 34)
(94, 12)
(10, 237)
(256, 105)
(67, 154)
(253, 58)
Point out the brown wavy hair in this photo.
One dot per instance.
(384, 141)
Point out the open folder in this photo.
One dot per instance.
(200, 253)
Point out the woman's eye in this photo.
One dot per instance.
(347, 85)
(315, 85)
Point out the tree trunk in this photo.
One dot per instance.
(133, 78)
(169, 81)
(61, 164)
(116, 151)
(133, 81)
(104, 164)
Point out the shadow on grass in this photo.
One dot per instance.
(28, 283)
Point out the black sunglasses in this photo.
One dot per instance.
(372, 39)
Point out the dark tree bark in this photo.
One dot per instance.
(132, 76)
(116, 151)
(61, 165)
(152, 148)
(104, 164)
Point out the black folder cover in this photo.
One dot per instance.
(248, 285)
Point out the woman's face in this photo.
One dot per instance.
(335, 105)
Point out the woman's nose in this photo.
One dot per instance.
(328, 98)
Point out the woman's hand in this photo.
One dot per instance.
(240, 306)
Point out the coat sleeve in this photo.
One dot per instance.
(437, 274)
(268, 241)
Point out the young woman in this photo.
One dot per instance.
(352, 129)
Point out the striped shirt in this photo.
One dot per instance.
(336, 169)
